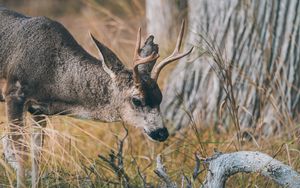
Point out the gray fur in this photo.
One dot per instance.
(46, 72)
(52, 68)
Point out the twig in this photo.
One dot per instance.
(195, 174)
(197, 170)
(118, 167)
(160, 171)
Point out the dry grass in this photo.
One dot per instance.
(70, 155)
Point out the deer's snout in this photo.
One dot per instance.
(160, 134)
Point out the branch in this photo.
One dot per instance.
(222, 166)
(118, 166)
(195, 174)
(197, 170)
(160, 171)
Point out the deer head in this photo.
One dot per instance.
(137, 96)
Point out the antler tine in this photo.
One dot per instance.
(137, 59)
(137, 45)
(173, 57)
(179, 38)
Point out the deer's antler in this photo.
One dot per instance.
(173, 57)
(137, 59)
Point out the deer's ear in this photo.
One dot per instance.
(111, 63)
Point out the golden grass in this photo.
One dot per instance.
(72, 146)
(70, 154)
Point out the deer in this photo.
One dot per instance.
(44, 71)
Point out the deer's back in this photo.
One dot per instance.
(30, 40)
(40, 52)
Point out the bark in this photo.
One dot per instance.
(163, 17)
(222, 166)
(259, 40)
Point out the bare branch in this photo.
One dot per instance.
(188, 181)
(118, 166)
(162, 174)
(222, 166)
(197, 170)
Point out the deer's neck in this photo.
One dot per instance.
(87, 87)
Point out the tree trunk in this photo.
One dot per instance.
(259, 42)
(163, 17)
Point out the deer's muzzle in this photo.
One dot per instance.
(160, 134)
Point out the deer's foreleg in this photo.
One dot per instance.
(14, 145)
(37, 138)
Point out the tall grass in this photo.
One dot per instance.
(73, 146)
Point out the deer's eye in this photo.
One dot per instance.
(136, 102)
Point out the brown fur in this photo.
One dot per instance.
(43, 70)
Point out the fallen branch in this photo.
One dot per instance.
(222, 166)
(161, 172)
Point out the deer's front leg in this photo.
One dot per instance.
(14, 145)
(37, 138)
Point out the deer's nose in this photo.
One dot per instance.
(160, 134)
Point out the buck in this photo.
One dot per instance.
(47, 72)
